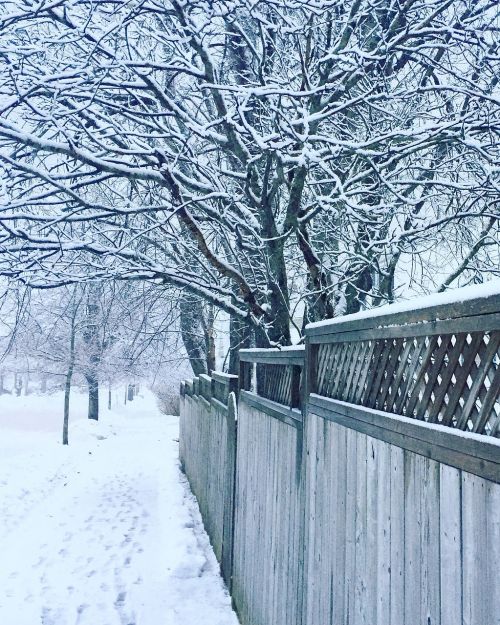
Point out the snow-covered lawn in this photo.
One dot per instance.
(104, 532)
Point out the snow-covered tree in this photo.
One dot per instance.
(97, 333)
(260, 156)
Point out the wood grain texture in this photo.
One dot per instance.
(267, 520)
(207, 447)
(393, 537)
(351, 530)
(476, 454)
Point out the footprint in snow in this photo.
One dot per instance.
(120, 599)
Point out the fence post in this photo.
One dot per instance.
(245, 377)
(205, 386)
(295, 390)
(310, 384)
(233, 383)
(229, 498)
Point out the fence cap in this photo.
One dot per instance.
(467, 301)
(289, 355)
(225, 378)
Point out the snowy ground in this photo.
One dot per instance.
(104, 532)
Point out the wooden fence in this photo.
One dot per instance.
(207, 446)
(366, 481)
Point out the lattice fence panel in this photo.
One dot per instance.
(450, 379)
(275, 382)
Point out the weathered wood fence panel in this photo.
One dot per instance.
(207, 455)
(397, 497)
(266, 571)
(367, 488)
(391, 533)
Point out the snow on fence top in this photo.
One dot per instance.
(436, 359)
(466, 301)
(289, 355)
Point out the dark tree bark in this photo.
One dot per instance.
(192, 332)
(208, 327)
(91, 338)
(67, 385)
(278, 318)
(18, 384)
(69, 373)
(93, 386)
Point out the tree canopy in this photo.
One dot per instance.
(265, 157)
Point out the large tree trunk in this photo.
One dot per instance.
(356, 290)
(18, 384)
(193, 333)
(93, 386)
(360, 276)
(67, 387)
(69, 376)
(208, 326)
(320, 304)
(91, 337)
(277, 331)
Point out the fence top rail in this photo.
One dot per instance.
(293, 355)
(290, 416)
(471, 452)
(224, 378)
(474, 301)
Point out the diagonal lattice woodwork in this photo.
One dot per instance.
(450, 379)
(274, 382)
(280, 383)
(274, 374)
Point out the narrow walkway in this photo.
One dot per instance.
(105, 532)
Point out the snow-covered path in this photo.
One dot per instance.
(105, 532)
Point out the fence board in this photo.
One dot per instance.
(208, 454)
(451, 545)
(265, 567)
(397, 536)
(390, 552)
